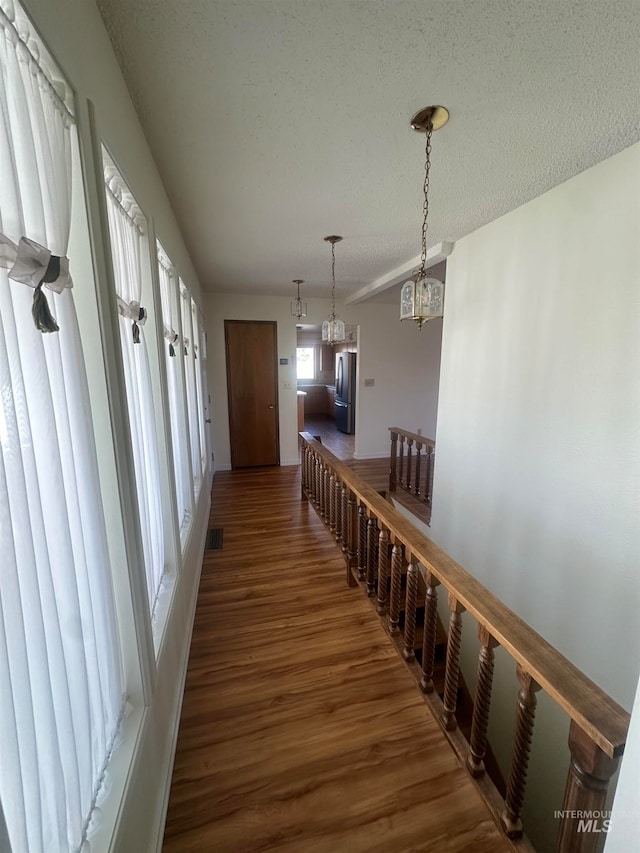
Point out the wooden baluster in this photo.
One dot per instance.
(482, 703)
(344, 518)
(520, 757)
(585, 792)
(409, 460)
(321, 489)
(418, 462)
(430, 633)
(318, 481)
(383, 571)
(338, 510)
(410, 609)
(452, 670)
(325, 495)
(393, 462)
(352, 537)
(332, 503)
(303, 469)
(362, 541)
(396, 589)
(372, 555)
(309, 474)
(401, 465)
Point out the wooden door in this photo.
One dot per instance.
(252, 388)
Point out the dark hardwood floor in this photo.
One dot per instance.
(301, 729)
(339, 443)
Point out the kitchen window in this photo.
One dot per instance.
(305, 363)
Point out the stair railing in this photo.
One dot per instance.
(413, 472)
(378, 543)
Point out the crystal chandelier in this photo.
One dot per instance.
(298, 308)
(422, 299)
(333, 328)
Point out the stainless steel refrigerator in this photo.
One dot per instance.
(346, 391)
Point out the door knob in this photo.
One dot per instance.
(207, 420)
(271, 407)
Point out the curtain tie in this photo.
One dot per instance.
(172, 337)
(34, 265)
(136, 313)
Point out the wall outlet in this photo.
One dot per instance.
(286, 386)
(369, 383)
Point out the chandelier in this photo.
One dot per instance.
(298, 308)
(422, 298)
(333, 329)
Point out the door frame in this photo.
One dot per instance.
(274, 325)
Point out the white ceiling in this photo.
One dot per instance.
(277, 122)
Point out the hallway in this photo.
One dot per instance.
(301, 730)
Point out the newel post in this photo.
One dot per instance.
(585, 792)
(393, 461)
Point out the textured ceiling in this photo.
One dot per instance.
(276, 122)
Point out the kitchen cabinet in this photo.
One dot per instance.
(331, 401)
(315, 403)
(326, 358)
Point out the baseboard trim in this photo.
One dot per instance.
(361, 456)
(168, 770)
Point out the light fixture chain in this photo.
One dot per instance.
(425, 203)
(333, 281)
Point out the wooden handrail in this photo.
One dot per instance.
(376, 538)
(593, 710)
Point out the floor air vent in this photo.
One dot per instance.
(214, 539)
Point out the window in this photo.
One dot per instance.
(61, 685)
(305, 363)
(174, 347)
(126, 228)
(190, 348)
(199, 356)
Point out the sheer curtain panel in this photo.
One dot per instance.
(190, 348)
(173, 349)
(61, 691)
(199, 356)
(126, 224)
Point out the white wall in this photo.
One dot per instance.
(537, 474)
(75, 35)
(403, 361)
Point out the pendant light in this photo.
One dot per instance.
(422, 299)
(333, 331)
(298, 308)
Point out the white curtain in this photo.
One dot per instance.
(192, 401)
(173, 351)
(61, 691)
(199, 356)
(125, 229)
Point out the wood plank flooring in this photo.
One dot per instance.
(301, 729)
